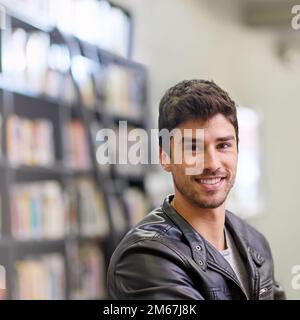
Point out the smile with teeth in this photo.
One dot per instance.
(210, 181)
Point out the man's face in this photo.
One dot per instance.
(209, 188)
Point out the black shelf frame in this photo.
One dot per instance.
(30, 104)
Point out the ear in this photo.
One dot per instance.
(165, 160)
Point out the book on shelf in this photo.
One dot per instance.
(99, 134)
(123, 92)
(117, 213)
(32, 63)
(36, 55)
(82, 72)
(53, 84)
(71, 210)
(88, 271)
(72, 214)
(25, 58)
(37, 211)
(30, 142)
(86, 204)
(136, 153)
(43, 210)
(41, 278)
(137, 204)
(70, 96)
(80, 18)
(77, 147)
(123, 147)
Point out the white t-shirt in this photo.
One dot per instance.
(233, 257)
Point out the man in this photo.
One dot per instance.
(192, 247)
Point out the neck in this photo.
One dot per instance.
(208, 222)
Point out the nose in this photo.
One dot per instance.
(211, 160)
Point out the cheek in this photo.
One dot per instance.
(179, 173)
(230, 162)
(234, 163)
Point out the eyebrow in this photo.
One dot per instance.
(220, 139)
(226, 138)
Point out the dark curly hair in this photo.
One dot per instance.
(192, 99)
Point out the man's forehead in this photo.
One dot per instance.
(215, 121)
(215, 128)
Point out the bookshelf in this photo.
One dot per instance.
(61, 213)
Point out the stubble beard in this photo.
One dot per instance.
(196, 199)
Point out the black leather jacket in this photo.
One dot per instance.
(163, 257)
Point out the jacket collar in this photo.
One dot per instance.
(195, 240)
(233, 225)
(201, 249)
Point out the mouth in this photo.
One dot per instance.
(210, 183)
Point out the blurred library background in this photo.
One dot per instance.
(70, 68)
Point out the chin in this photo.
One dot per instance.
(209, 204)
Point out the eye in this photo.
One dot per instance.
(224, 145)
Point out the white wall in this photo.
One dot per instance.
(187, 39)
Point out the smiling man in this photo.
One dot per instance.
(192, 247)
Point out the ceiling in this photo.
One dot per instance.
(267, 13)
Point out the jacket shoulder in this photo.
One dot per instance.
(155, 234)
(155, 225)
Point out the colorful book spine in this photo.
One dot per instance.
(41, 278)
(78, 155)
(88, 203)
(30, 142)
(38, 211)
(88, 272)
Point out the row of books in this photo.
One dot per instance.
(37, 211)
(137, 204)
(123, 92)
(81, 18)
(87, 272)
(120, 89)
(117, 212)
(87, 73)
(86, 209)
(43, 210)
(77, 148)
(130, 160)
(41, 278)
(32, 62)
(30, 142)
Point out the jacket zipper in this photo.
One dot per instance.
(256, 285)
(253, 269)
